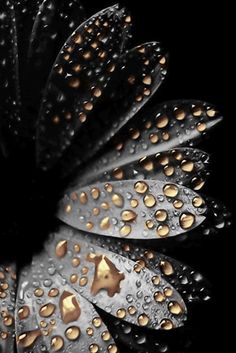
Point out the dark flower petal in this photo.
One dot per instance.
(54, 22)
(113, 283)
(139, 73)
(47, 304)
(166, 126)
(80, 74)
(180, 166)
(10, 118)
(7, 307)
(135, 209)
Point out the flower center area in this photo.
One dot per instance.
(29, 199)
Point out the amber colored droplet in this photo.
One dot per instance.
(147, 80)
(78, 39)
(8, 320)
(163, 230)
(149, 200)
(166, 268)
(117, 200)
(175, 308)
(197, 183)
(146, 91)
(88, 106)
(149, 224)
(4, 335)
(4, 285)
(69, 307)
(56, 119)
(112, 348)
(23, 312)
(38, 292)
(170, 190)
(84, 270)
(83, 198)
(161, 215)
(167, 325)
(121, 313)
(82, 117)
(162, 159)
(57, 343)
(77, 248)
(94, 45)
(134, 203)
(76, 68)
(87, 55)
(187, 220)
(197, 201)
(53, 292)
(132, 310)
(97, 322)
(201, 127)
(68, 208)
(75, 262)
(169, 170)
(83, 281)
(187, 166)
(148, 124)
(131, 79)
(74, 83)
(61, 248)
(96, 211)
(159, 297)
(140, 187)
(211, 113)
(2, 275)
(118, 173)
(134, 134)
(93, 348)
(162, 121)
(140, 264)
(153, 138)
(180, 114)
(128, 216)
(125, 230)
(105, 206)
(89, 331)
(27, 339)
(47, 310)
(149, 254)
(165, 136)
(106, 336)
(74, 278)
(97, 92)
(147, 164)
(162, 60)
(156, 280)
(95, 192)
(178, 204)
(143, 320)
(168, 292)
(72, 333)
(3, 295)
(197, 111)
(105, 223)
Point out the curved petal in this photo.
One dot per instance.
(139, 73)
(180, 166)
(62, 319)
(113, 283)
(191, 285)
(7, 307)
(9, 76)
(133, 209)
(167, 126)
(80, 74)
(54, 22)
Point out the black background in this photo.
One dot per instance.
(199, 39)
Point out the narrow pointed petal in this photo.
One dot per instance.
(139, 73)
(9, 77)
(7, 307)
(54, 22)
(133, 209)
(65, 320)
(79, 76)
(112, 282)
(169, 125)
(180, 166)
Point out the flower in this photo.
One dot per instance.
(131, 175)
